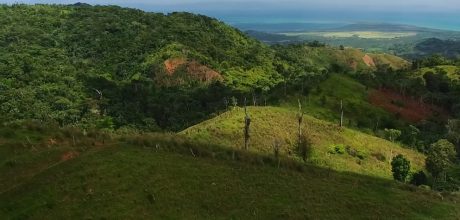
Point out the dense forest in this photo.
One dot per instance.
(79, 64)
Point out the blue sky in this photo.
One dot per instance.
(431, 13)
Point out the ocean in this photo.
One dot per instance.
(444, 21)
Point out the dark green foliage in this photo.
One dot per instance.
(304, 147)
(410, 135)
(447, 48)
(419, 178)
(338, 149)
(400, 168)
(392, 134)
(81, 64)
(440, 158)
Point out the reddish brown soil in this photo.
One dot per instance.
(171, 65)
(369, 61)
(412, 110)
(69, 155)
(194, 69)
(203, 73)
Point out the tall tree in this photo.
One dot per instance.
(439, 159)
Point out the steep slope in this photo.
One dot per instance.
(156, 176)
(338, 148)
(66, 63)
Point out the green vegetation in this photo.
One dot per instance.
(364, 153)
(451, 71)
(167, 176)
(81, 64)
(400, 168)
(410, 42)
(82, 87)
(440, 160)
(323, 102)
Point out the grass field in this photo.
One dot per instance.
(350, 60)
(271, 123)
(157, 177)
(360, 34)
(451, 71)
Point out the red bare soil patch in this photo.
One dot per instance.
(407, 108)
(171, 65)
(369, 61)
(69, 155)
(194, 69)
(203, 73)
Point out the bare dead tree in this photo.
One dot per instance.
(247, 123)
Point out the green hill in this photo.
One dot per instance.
(362, 153)
(323, 102)
(83, 87)
(451, 71)
(112, 67)
(336, 60)
(167, 176)
(74, 64)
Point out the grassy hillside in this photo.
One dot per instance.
(453, 72)
(156, 176)
(336, 60)
(371, 154)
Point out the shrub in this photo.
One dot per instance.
(400, 167)
(419, 178)
(304, 147)
(337, 149)
(392, 134)
(355, 153)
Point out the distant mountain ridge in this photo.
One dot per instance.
(447, 48)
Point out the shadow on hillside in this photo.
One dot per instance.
(179, 144)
